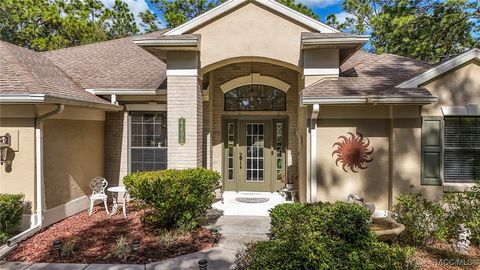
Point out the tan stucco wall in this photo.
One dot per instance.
(73, 155)
(458, 87)
(251, 31)
(372, 183)
(407, 159)
(20, 176)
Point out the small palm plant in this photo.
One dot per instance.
(69, 247)
(121, 249)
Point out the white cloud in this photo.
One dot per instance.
(320, 3)
(136, 6)
(342, 16)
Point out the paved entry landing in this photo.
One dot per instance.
(248, 203)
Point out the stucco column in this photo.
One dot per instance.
(184, 101)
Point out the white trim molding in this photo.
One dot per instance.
(321, 71)
(232, 4)
(441, 69)
(255, 78)
(182, 72)
(126, 92)
(63, 211)
(313, 153)
(22, 98)
(150, 107)
(367, 100)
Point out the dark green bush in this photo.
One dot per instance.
(11, 209)
(322, 236)
(463, 207)
(174, 197)
(423, 219)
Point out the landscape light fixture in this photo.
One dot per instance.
(58, 246)
(136, 245)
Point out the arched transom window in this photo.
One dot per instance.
(255, 97)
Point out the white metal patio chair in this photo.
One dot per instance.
(98, 185)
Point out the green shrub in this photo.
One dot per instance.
(322, 236)
(11, 209)
(174, 197)
(423, 219)
(463, 207)
(427, 221)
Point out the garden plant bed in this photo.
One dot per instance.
(441, 256)
(96, 235)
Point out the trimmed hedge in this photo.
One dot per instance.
(322, 236)
(174, 198)
(11, 209)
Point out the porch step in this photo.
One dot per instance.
(232, 207)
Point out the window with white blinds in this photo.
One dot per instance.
(462, 149)
(148, 141)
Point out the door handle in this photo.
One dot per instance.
(240, 158)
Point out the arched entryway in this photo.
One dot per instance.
(252, 115)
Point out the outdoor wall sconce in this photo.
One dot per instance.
(5, 143)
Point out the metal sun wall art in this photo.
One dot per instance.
(353, 152)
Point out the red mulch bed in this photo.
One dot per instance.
(96, 235)
(441, 256)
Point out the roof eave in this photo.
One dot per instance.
(48, 99)
(317, 42)
(190, 44)
(441, 69)
(363, 100)
(229, 5)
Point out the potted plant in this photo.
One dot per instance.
(288, 181)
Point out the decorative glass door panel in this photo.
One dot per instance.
(254, 154)
(255, 151)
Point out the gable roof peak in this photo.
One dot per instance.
(442, 68)
(270, 4)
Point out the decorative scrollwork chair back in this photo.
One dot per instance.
(98, 185)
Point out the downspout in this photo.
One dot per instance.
(313, 153)
(390, 157)
(38, 178)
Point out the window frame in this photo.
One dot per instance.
(130, 138)
(238, 109)
(446, 148)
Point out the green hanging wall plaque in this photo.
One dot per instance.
(181, 131)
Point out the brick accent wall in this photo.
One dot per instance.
(116, 147)
(184, 99)
(229, 72)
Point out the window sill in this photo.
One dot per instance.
(456, 187)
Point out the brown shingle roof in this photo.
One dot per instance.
(23, 71)
(367, 74)
(114, 64)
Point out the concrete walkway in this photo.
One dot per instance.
(235, 230)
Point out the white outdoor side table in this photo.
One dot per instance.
(291, 192)
(116, 204)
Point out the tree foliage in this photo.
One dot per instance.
(53, 24)
(177, 12)
(423, 29)
(302, 8)
(120, 20)
(149, 21)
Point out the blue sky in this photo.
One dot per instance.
(322, 7)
